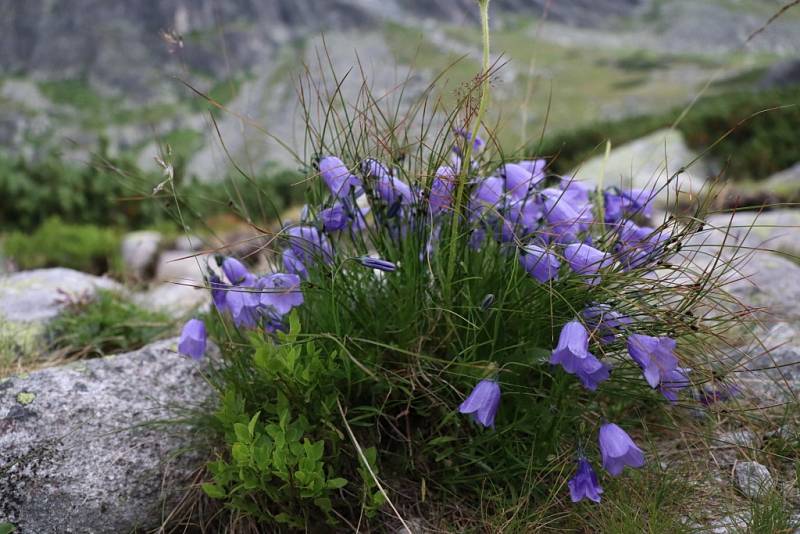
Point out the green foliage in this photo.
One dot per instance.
(113, 192)
(756, 148)
(105, 324)
(279, 466)
(7, 528)
(770, 514)
(84, 247)
(103, 192)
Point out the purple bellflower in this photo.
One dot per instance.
(565, 219)
(336, 176)
(377, 263)
(218, 293)
(584, 484)
(293, 265)
(520, 180)
(243, 302)
(586, 260)
(656, 357)
(540, 264)
(308, 244)
(236, 272)
(192, 342)
(572, 353)
(483, 402)
(280, 292)
(334, 218)
(618, 449)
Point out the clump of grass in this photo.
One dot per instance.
(84, 247)
(103, 325)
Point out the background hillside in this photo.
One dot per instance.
(75, 72)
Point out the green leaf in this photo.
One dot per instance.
(242, 432)
(336, 483)
(324, 504)
(252, 425)
(212, 490)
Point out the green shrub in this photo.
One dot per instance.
(113, 192)
(106, 324)
(84, 247)
(757, 148)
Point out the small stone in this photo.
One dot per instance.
(174, 299)
(753, 479)
(738, 438)
(139, 253)
(181, 266)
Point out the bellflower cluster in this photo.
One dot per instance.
(252, 300)
(559, 230)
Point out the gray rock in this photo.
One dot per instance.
(174, 299)
(768, 282)
(76, 453)
(753, 479)
(139, 253)
(738, 438)
(786, 181)
(777, 230)
(773, 374)
(181, 267)
(188, 243)
(30, 299)
(648, 163)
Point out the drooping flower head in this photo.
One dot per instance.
(243, 302)
(334, 218)
(540, 263)
(309, 245)
(192, 342)
(619, 204)
(280, 292)
(293, 265)
(477, 144)
(218, 293)
(640, 246)
(337, 177)
(656, 357)
(235, 271)
(483, 402)
(521, 179)
(572, 353)
(584, 484)
(618, 449)
(564, 218)
(587, 261)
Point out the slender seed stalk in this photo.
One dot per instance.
(466, 159)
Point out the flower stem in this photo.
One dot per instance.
(466, 160)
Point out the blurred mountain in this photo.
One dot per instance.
(72, 71)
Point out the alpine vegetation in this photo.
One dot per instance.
(445, 324)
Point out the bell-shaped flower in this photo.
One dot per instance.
(565, 219)
(520, 180)
(619, 204)
(394, 191)
(584, 484)
(243, 303)
(487, 195)
(477, 144)
(539, 262)
(193, 338)
(292, 264)
(334, 218)
(618, 449)
(587, 261)
(280, 292)
(572, 353)
(483, 402)
(640, 245)
(656, 357)
(236, 272)
(218, 293)
(576, 192)
(309, 245)
(337, 177)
